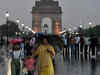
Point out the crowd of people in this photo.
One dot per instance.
(31, 57)
(80, 44)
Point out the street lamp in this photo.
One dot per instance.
(81, 26)
(23, 32)
(16, 33)
(7, 16)
(29, 29)
(90, 23)
(75, 28)
(69, 29)
(33, 32)
(17, 20)
(26, 27)
(23, 27)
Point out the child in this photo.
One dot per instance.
(29, 64)
(15, 64)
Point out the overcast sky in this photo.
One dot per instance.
(74, 11)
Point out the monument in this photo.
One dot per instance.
(47, 12)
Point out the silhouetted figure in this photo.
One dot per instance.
(73, 41)
(66, 45)
(94, 43)
(86, 45)
(77, 44)
(28, 47)
(81, 43)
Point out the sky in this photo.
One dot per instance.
(75, 12)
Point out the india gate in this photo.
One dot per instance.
(47, 12)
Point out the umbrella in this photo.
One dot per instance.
(13, 41)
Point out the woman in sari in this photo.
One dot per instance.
(45, 52)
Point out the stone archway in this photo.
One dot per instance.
(47, 9)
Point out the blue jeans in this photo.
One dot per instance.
(73, 49)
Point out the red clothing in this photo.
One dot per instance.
(12, 42)
(29, 63)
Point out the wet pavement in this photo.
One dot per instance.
(3, 61)
(83, 65)
(68, 65)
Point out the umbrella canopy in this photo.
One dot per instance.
(13, 41)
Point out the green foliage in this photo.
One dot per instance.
(9, 29)
(93, 31)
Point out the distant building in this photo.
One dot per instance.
(47, 12)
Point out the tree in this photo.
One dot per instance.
(9, 29)
(95, 30)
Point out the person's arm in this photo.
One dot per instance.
(51, 51)
(10, 54)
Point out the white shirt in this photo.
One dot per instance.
(86, 39)
(77, 39)
(65, 41)
(16, 54)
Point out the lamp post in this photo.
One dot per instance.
(81, 26)
(7, 16)
(18, 21)
(80, 29)
(70, 31)
(90, 24)
(23, 27)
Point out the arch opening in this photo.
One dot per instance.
(47, 21)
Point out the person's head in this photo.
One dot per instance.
(29, 55)
(73, 36)
(77, 35)
(16, 46)
(45, 40)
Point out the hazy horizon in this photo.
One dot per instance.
(74, 11)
